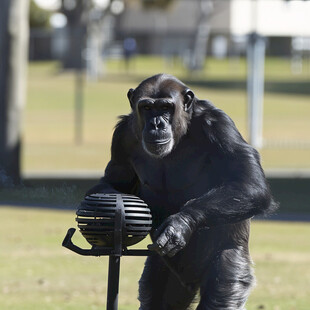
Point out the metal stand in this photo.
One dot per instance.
(110, 223)
(113, 282)
(114, 264)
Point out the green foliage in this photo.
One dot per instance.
(151, 4)
(38, 18)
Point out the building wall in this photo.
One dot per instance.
(180, 16)
(169, 31)
(173, 30)
(270, 17)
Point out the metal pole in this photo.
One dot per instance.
(255, 88)
(113, 282)
(79, 105)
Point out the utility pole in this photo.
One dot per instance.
(14, 31)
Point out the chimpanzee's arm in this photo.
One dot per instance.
(119, 175)
(243, 191)
(234, 200)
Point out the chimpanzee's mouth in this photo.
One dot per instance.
(159, 141)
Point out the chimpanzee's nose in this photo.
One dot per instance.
(155, 122)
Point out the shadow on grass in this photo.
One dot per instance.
(67, 193)
(301, 87)
(281, 86)
(63, 196)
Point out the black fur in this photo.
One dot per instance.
(202, 189)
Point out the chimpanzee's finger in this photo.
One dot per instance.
(159, 244)
(162, 242)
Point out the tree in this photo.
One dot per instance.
(38, 18)
(199, 51)
(14, 27)
(76, 28)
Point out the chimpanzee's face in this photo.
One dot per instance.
(162, 106)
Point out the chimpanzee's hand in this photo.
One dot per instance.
(172, 236)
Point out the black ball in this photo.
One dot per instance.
(101, 217)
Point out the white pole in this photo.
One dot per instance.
(255, 88)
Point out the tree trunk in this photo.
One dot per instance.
(14, 29)
(76, 34)
(73, 59)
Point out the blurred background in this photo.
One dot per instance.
(65, 69)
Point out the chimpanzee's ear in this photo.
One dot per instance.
(129, 96)
(188, 100)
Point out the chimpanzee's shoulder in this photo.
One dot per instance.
(124, 137)
(123, 124)
(206, 109)
(207, 114)
(219, 129)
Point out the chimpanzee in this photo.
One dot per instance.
(186, 159)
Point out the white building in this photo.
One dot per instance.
(174, 30)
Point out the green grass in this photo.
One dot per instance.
(37, 273)
(49, 116)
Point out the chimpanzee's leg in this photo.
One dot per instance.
(229, 282)
(160, 289)
(152, 283)
(176, 295)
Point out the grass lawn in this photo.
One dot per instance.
(37, 273)
(49, 116)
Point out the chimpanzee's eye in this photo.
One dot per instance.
(164, 107)
(146, 107)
